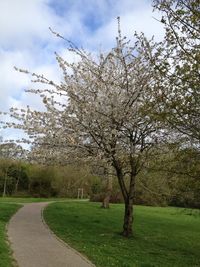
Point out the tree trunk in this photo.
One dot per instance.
(29, 186)
(16, 186)
(4, 186)
(128, 218)
(18, 179)
(128, 215)
(106, 200)
(128, 195)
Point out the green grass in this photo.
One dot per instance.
(6, 211)
(27, 200)
(165, 237)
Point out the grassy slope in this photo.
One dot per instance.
(163, 236)
(6, 211)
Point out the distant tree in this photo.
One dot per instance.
(176, 175)
(107, 173)
(178, 66)
(10, 151)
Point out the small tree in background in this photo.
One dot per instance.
(10, 151)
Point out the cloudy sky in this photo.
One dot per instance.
(26, 42)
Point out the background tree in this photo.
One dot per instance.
(178, 66)
(10, 151)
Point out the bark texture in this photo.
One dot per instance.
(106, 200)
(128, 219)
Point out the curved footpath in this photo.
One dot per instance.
(34, 245)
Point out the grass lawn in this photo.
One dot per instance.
(165, 237)
(27, 200)
(6, 211)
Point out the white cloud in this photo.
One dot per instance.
(11, 83)
(26, 41)
(23, 23)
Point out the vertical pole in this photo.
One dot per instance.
(78, 194)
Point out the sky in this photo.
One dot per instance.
(26, 41)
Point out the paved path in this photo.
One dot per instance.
(34, 245)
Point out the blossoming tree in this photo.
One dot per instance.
(99, 110)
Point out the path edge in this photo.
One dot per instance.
(8, 241)
(60, 240)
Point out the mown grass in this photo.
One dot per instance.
(27, 200)
(167, 237)
(6, 211)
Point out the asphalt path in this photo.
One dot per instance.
(34, 245)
